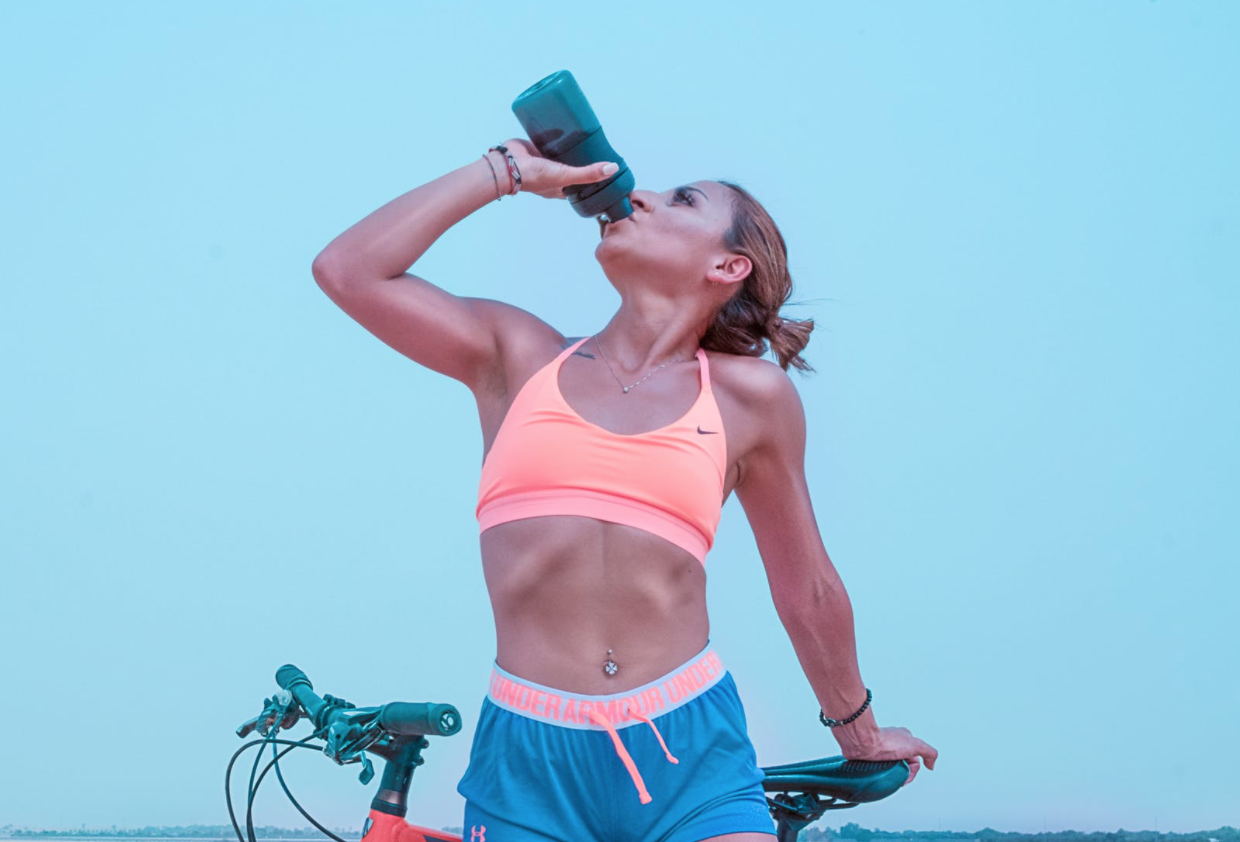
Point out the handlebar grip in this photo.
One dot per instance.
(419, 718)
(292, 679)
(288, 675)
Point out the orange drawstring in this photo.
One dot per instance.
(658, 736)
(625, 757)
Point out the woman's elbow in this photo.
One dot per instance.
(327, 271)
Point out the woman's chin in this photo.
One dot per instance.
(611, 256)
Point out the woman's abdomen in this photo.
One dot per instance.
(566, 589)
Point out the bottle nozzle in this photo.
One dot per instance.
(617, 211)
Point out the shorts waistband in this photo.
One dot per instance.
(572, 710)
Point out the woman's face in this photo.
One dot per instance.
(679, 232)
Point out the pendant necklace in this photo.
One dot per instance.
(610, 667)
(623, 387)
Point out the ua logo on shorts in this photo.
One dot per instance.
(478, 833)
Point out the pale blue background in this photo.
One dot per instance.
(1015, 225)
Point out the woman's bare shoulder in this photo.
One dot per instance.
(750, 380)
(756, 398)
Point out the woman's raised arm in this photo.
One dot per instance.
(364, 269)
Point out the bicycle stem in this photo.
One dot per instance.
(400, 760)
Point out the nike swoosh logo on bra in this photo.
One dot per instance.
(707, 432)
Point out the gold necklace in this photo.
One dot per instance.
(623, 387)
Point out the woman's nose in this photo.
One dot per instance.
(641, 199)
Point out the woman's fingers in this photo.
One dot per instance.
(895, 743)
(899, 743)
(924, 753)
(560, 176)
(913, 765)
(547, 178)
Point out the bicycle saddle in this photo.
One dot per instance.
(855, 781)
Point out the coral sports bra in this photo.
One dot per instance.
(548, 460)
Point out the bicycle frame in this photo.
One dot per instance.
(382, 827)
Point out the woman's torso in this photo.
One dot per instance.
(566, 589)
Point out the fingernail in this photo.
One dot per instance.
(608, 169)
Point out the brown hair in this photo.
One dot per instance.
(750, 319)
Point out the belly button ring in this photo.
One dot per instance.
(610, 667)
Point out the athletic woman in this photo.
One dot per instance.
(606, 461)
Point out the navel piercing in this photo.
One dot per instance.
(610, 666)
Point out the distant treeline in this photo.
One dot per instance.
(848, 833)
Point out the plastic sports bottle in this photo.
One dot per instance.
(562, 126)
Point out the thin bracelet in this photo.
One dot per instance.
(835, 723)
(498, 196)
(513, 172)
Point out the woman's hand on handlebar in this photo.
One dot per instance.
(547, 178)
(895, 743)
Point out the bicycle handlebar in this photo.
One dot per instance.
(402, 719)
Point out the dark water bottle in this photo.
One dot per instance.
(562, 126)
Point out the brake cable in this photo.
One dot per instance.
(232, 814)
(249, 816)
(284, 786)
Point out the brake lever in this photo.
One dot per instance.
(279, 708)
(249, 725)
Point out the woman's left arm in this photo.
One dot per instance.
(808, 593)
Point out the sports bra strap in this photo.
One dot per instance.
(701, 355)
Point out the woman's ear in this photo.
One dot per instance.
(733, 269)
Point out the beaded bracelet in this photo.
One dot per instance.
(513, 172)
(834, 723)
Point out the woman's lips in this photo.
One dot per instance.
(603, 226)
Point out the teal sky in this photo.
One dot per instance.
(1014, 224)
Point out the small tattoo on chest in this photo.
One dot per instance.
(583, 354)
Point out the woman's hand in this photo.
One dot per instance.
(894, 744)
(548, 178)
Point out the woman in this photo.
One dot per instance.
(607, 459)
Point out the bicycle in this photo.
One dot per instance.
(798, 794)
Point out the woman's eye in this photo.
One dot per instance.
(683, 194)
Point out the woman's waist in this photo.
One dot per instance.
(596, 657)
(554, 703)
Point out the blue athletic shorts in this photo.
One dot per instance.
(670, 761)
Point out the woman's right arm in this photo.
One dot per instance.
(364, 269)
